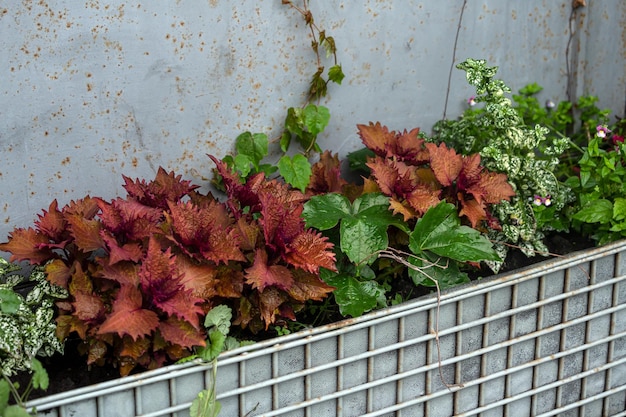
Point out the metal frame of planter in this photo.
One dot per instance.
(543, 341)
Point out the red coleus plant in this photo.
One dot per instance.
(143, 270)
(417, 175)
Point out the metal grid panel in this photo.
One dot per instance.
(550, 340)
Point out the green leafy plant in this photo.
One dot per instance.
(564, 120)
(526, 154)
(438, 245)
(217, 323)
(27, 330)
(601, 185)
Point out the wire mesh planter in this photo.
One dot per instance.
(547, 340)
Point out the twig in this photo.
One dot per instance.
(456, 40)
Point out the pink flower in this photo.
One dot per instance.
(602, 131)
(542, 201)
(617, 139)
(471, 101)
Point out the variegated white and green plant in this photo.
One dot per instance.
(525, 153)
(27, 330)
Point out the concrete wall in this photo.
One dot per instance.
(95, 89)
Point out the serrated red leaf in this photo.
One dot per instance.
(67, 324)
(128, 316)
(134, 348)
(131, 251)
(473, 210)
(204, 233)
(495, 187)
(200, 278)
(166, 187)
(422, 197)
(261, 275)
(269, 303)
(161, 282)
(230, 282)
(310, 251)
(52, 223)
(471, 170)
(377, 137)
(129, 219)
(326, 175)
(445, 163)
(88, 307)
(125, 273)
(308, 286)
(27, 245)
(87, 207)
(86, 233)
(181, 333)
(58, 273)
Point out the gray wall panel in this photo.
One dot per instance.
(92, 90)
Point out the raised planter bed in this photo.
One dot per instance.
(546, 340)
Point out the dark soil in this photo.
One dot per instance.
(69, 371)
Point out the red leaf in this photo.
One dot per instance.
(181, 333)
(310, 251)
(308, 286)
(88, 307)
(200, 278)
(410, 148)
(129, 252)
(422, 198)
(128, 317)
(377, 137)
(269, 303)
(161, 282)
(445, 163)
(495, 187)
(261, 275)
(281, 208)
(86, 233)
(157, 193)
(204, 233)
(125, 273)
(473, 210)
(86, 207)
(58, 273)
(52, 223)
(326, 175)
(129, 219)
(27, 245)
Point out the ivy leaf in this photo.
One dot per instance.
(214, 346)
(315, 118)
(296, 171)
(254, 146)
(242, 164)
(598, 211)
(335, 74)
